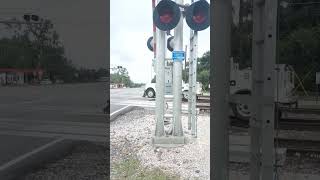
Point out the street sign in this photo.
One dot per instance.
(178, 55)
(317, 77)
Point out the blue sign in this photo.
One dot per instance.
(178, 55)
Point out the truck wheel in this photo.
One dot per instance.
(150, 93)
(241, 111)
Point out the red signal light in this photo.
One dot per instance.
(198, 15)
(199, 18)
(166, 15)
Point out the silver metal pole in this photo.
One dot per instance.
(177, 78)
(160, 84)
(257, 88)
(268, 151)
(194, 85)
(154, 32)
(185, 60)
(221, 27)
(190, 80)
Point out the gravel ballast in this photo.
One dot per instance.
(131, 135)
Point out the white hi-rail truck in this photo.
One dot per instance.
(241, 83)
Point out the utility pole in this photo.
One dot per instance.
(221, 23)
(177, 78)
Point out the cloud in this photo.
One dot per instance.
(131, 26)
(130, 50)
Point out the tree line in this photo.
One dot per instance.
(298, 41)
(31, 46)
(121, 76)
(298, 38)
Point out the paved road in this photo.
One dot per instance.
(19, 146)
(30, 116)
(114, 108)
(129, 96)
(122, 97)
(133, 96)
(125, 94)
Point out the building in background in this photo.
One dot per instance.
(12, 76)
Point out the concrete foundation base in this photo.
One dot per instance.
(168, 141)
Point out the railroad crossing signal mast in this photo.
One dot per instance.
(221, 22)
(263, 62)
(168, 15)
(262, 105)
(198, 19)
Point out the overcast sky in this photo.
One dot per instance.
(131, 26)
(81, 25)
(82, 28)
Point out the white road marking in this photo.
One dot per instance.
(35, 151)
(119, 110)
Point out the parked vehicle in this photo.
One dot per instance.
(150, 90)
(241, 83)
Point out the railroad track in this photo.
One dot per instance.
(301, 146)
(203, 103)
(299, 124)
(203, 106)
(284, 124)
(299, 110)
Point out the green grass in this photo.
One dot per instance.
(130, 169)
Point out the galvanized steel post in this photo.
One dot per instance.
(257, 89)
(221, 26)
(190, 80)
(263, 66)
(160, 84)
(194, 85)
(192, 98)
(177, 78)
(154, 30)
(268, 108)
